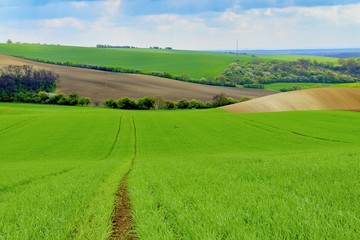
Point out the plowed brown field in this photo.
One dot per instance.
(99, 85)
(312, 99)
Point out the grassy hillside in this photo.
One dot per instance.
(297, 86)
(197, 174)
(194, 64)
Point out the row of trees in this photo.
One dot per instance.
(26, 84)
(17, 82)
(263, 72)
(158, 103)
(45, 98)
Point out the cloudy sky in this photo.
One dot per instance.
(184, 24)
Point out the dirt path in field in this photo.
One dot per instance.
(123, 227)
(99, 85)
(312, 99)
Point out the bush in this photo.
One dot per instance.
(84, 101)
(73, 99)
(182, 104)
(169, 105)
(126, 103)
(146, 103)
(255, 86)
(110, 103)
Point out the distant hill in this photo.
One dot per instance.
(99, 85)
(335, 53)
(313, 99)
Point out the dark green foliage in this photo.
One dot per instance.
(110, 103)
(256, 73)
(146, 103)
(220, 100)
(256, 86)
(169, 105)
(158, 103)
(22, 83)
(182, 104)
(126, 103)
(84, 101)
(293, 88)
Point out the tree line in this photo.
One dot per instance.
(159, 103)
(26, 84)
(256, 73)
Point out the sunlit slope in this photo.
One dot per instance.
(59, 170)
(313, 99)
(205, 174)
(216, 175)
(195, 64)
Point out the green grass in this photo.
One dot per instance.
(285, 57)
(195, 64)
(203, 174)
(278, 86)
(59, 170)
(192, 63)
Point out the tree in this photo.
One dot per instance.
(110, 103)
(220, 100)
(84, 101)
(9, 41)
(182, 104)
(126, 103)
(146, 103)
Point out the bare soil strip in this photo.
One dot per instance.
(123, 227)
(99, 85)
(312, 99)
(122, 220)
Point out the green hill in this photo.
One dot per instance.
(193, 174)
(194, 64)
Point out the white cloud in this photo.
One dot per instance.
(62, 23)
(82, 4)
(111, 6)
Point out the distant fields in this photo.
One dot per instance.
(278, 86)
(194, 64)
(197, 174)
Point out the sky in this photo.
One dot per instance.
(184, 24)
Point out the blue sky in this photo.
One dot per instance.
(184, 24)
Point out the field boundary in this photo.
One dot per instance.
(123, 227)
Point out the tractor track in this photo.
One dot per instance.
(123, 224)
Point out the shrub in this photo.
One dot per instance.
(126, 103)
(110, 103)
(182, 104)
(84, 101)
(146, 103)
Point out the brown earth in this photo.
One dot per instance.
(312, 99)
(123, 228)
(99, 85)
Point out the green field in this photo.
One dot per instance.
(197, 174)
(195, 64)
(278, 86)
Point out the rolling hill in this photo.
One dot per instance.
(312, 99)
(99, 85)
